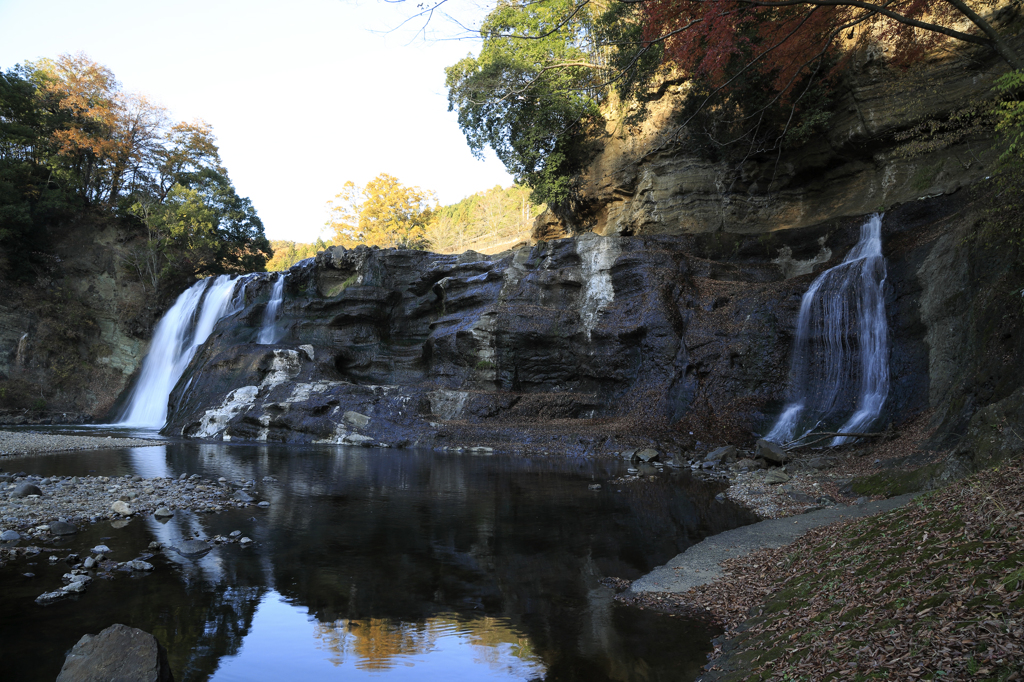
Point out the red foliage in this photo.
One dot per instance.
(716, 39)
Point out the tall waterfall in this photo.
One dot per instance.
(840, 367)
(177, 336)
(268, 327)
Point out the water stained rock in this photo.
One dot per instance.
(193, 549)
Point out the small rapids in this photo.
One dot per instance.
(840, 366)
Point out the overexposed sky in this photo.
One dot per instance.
(302, 94)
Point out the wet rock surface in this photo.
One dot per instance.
(117, 653)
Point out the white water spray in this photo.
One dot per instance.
(268, 327)
(177, 336)
(841, 357)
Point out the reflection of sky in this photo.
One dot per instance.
(150, 462)
(284, 643)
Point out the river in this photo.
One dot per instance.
(381, 563)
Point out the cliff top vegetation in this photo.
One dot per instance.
(73, 142)
(759, 76)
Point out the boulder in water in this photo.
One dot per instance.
(62, 528)
(193, 549)
(117, 653)
(647, 455)
(10, 536)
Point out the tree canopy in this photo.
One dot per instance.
(73, 141)
(384, 213)
(758, 74)
(531, 92)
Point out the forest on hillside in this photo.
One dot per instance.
(386, 213)
(76, 147)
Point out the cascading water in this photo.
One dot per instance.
(841, 357)
(268, 327)
(177, 336)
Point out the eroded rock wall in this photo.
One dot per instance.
(71, 339)
(641, 182)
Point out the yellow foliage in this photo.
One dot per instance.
(385, 213)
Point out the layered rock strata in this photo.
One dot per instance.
(589, 344)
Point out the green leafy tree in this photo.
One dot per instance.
(384, 213)
(533, 92)
(757, 74)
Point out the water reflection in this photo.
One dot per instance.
(388, 563)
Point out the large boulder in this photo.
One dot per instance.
(118, 654)
(726, 453)
(25, 489)
(771, 452)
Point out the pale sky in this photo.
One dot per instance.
(302, 94)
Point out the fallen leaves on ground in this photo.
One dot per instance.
(933, 590)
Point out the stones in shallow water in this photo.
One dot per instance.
(264, 504)
(245, 541)
(101, 549)
(193, 549)
(76, 584)
(163, 513)
(243, 496)
(139, 565)
(120, 653)
(121, 507)
(10, 536)
(594, 486)
(62, 528)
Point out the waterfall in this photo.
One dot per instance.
(177, 336)
(268, 328)
(840, 366)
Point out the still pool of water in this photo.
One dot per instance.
(381, 564)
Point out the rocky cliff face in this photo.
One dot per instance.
(642, 183)
(71, 339)
(597, 343)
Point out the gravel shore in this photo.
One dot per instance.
(30, 504)
(29, 442)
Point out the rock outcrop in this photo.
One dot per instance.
(595, 343)
(71, 339)
(642, 182)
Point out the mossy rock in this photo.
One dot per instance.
(893, 483)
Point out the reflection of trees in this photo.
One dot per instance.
(392, 550)
(375, 644)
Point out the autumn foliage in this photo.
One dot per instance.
(713, 40)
